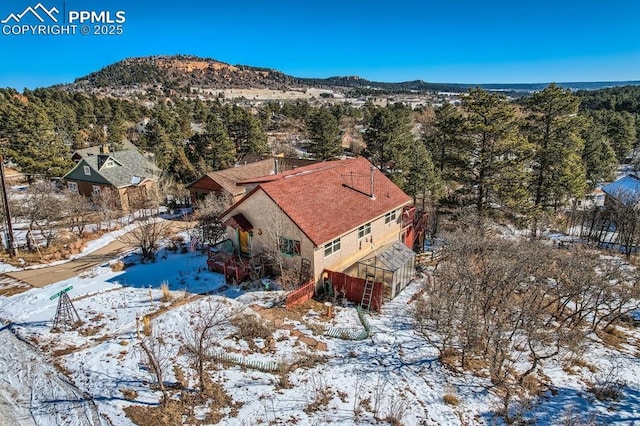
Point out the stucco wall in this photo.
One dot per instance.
(269, 221)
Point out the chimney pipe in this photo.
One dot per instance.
(373, 196)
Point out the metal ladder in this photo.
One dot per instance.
(367, 294)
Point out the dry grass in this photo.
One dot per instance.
(68, 350)
(283, 377)
(450, 399)
(215, 401)
(166, 294)
(117, 266)
(180, 378)
(146, 326)
(579, 362)
(251, 327)
(310, 360)
(168, 414)
(533, 385)
(129, 394)
(320, 394)
(612, 336)
(450, 359)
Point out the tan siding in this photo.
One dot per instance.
(354, 249)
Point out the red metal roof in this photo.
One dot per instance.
(327, 200)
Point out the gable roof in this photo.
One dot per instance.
(130, 169)
(228, 178)
(327, 200)
(95, 150)
(626, 190)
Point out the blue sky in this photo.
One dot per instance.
(465, 41)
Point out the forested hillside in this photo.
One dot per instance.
(489, 152)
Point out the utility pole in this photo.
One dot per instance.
(5, 201)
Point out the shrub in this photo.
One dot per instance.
(450, 399)
(129, 394)
(117, 266)
(251, 327)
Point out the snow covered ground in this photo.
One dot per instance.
(87, 376)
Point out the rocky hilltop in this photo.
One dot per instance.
(183, 72)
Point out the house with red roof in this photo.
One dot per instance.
(329, 215)
(225, 182)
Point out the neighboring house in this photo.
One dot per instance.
(129, 173)
(331, 214)
(225, 182)
(95, 150)
(625, 190)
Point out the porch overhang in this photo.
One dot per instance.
(239, 222)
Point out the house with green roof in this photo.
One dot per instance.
(128, 173)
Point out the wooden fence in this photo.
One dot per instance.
(353, 287)
(301, 295)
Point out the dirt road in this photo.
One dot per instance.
(44, 276)
(50, 274)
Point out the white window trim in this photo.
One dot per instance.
(73, 187)
(390, 217)
(332, 246)
(95, 190)
(364, 230)
(87, 170)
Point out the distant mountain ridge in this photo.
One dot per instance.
(182, 72)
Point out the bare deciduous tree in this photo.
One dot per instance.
(282, 248)
(77, 210)
(513, 304)
(155, 358)
(207, 325)
(108, 206)
(42, 208)
(147, 235)
(210, 227)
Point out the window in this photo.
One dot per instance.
(109, 163)
(331, 247)
(289, 247)
(390, 217)
(364, 230)
(73, 187)
(87, 170)
(95, 190)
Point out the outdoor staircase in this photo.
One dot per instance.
(367, 294)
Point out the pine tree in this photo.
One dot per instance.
(553, 128)
(422, 178)
(598, 156)
(496, 151)
(445, 140)
(214, 146)
(245, 130)
(388, 138)
(324, 132)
